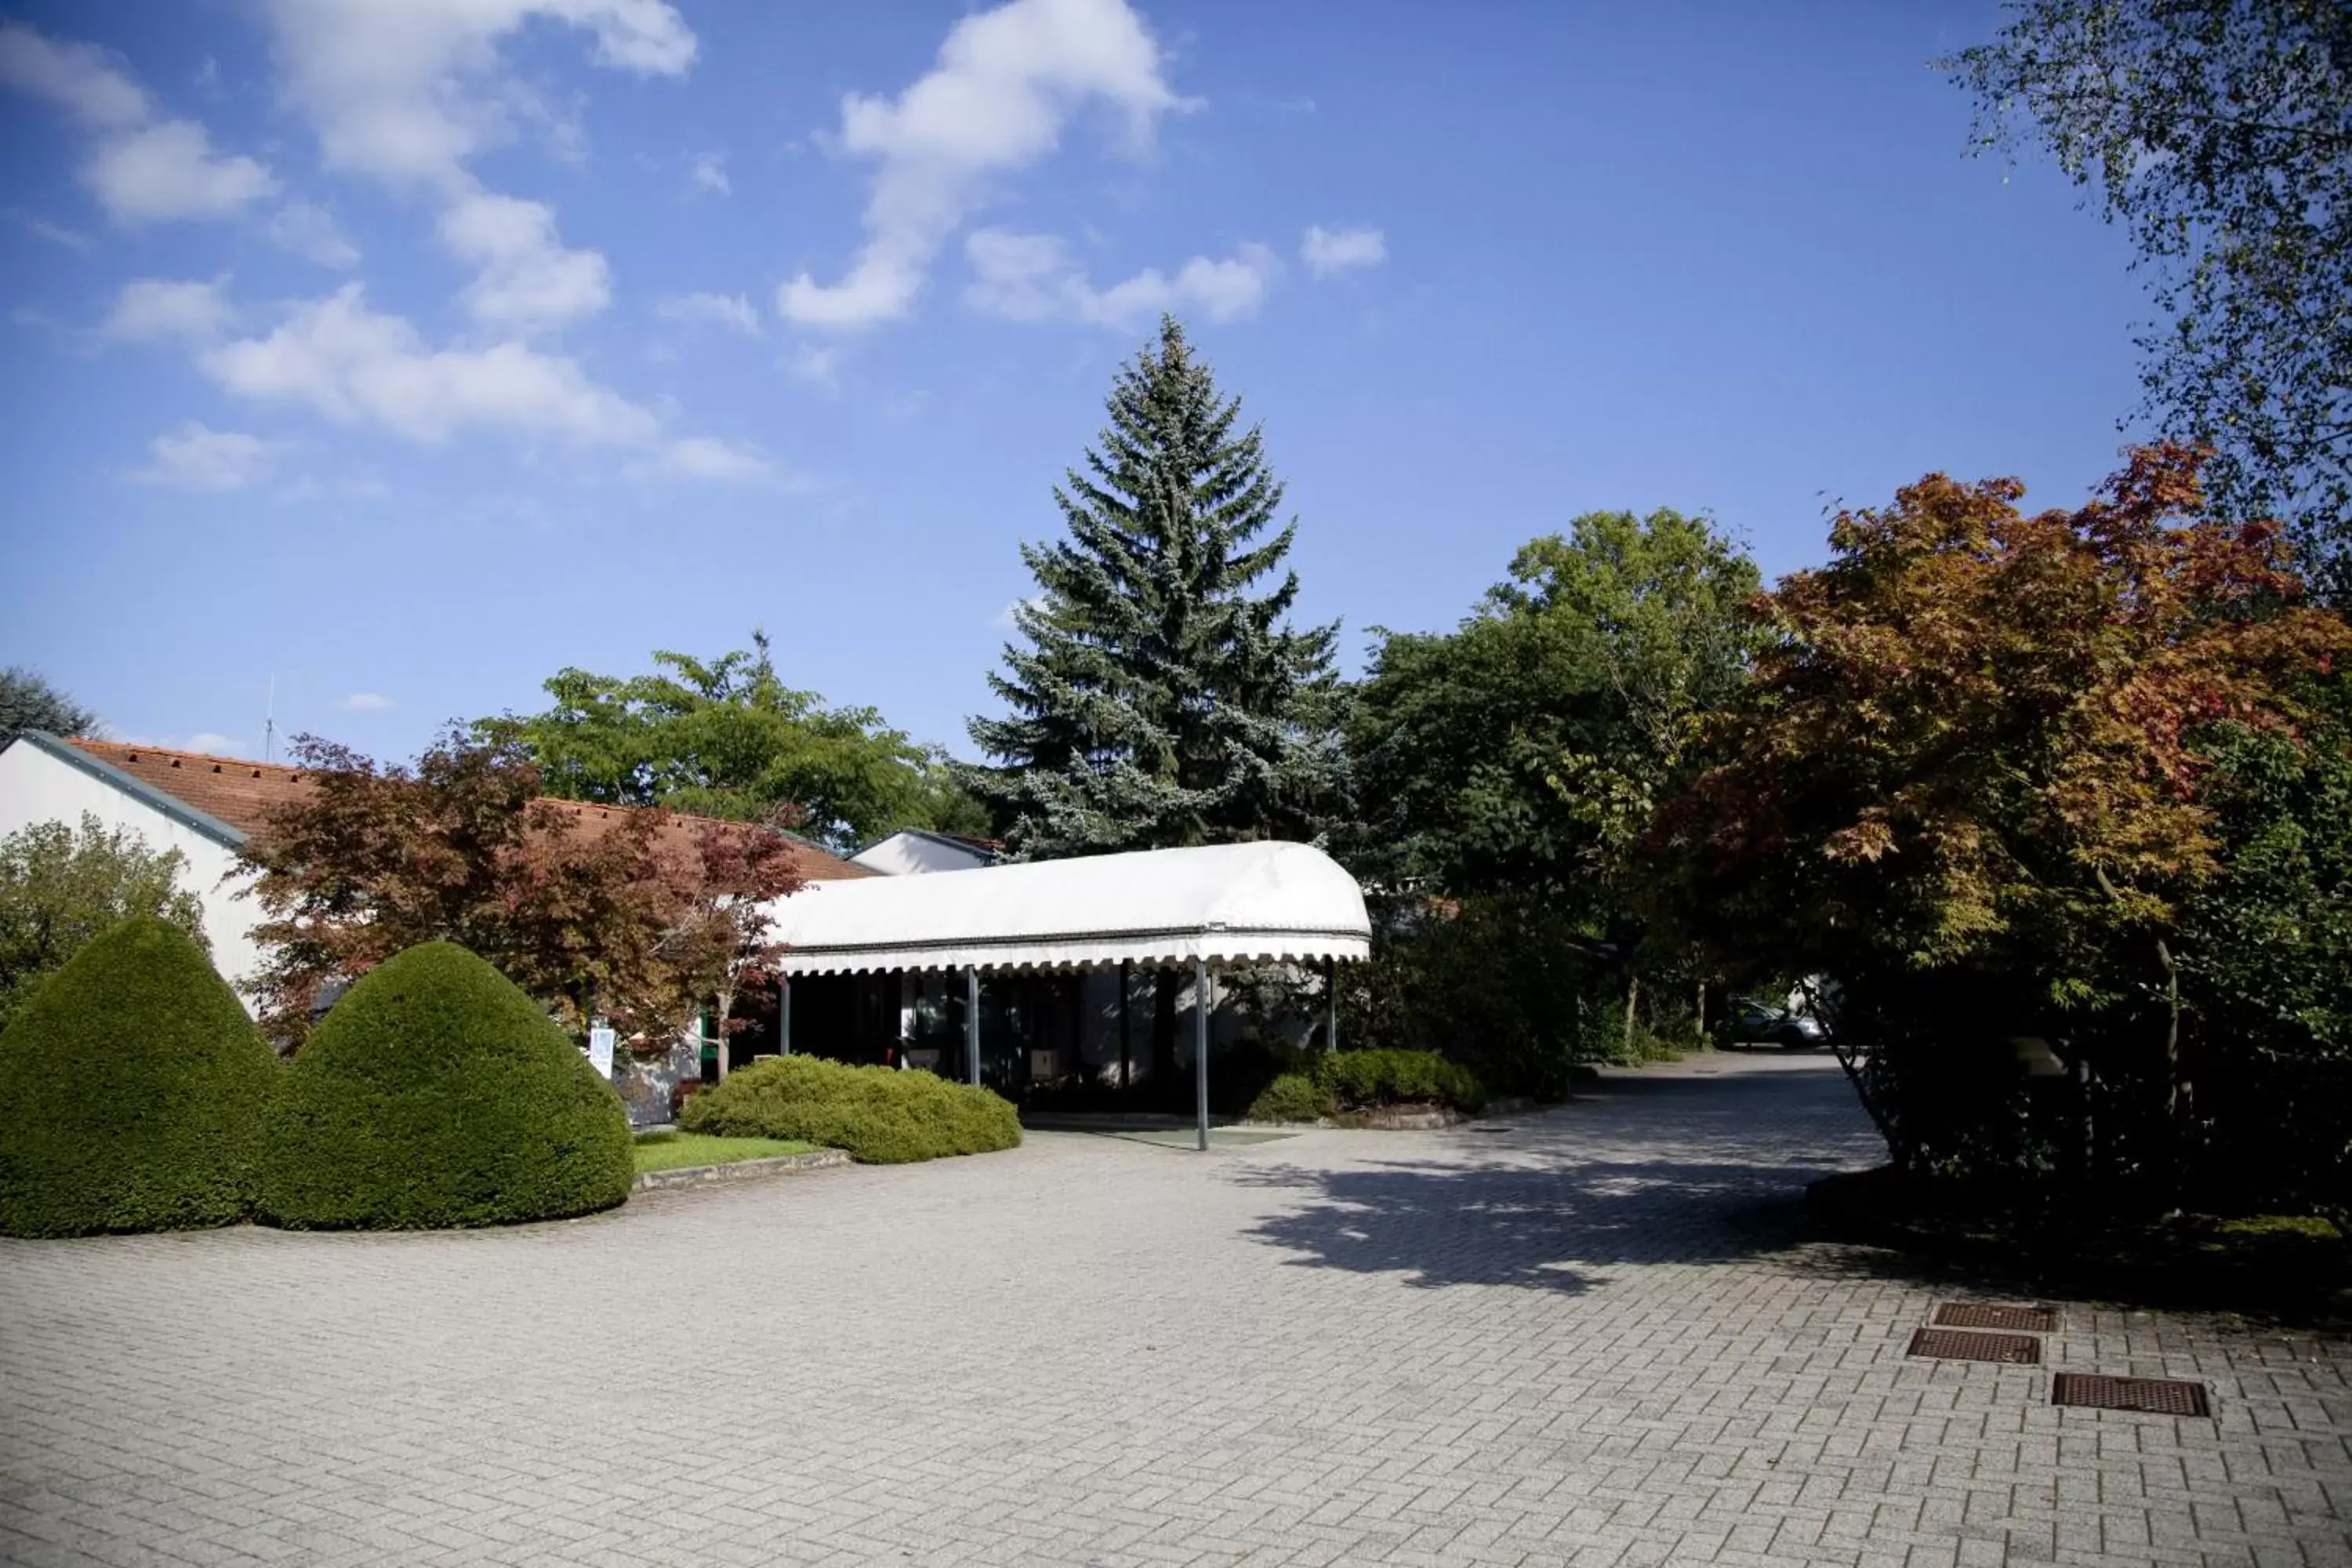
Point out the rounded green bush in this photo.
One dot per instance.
(1356, 1080)
(879, 1115)
(132, 1092)
(434, 1095)
(1292, 1097)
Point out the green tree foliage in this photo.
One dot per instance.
(2219, 133)
(132, 1092)
(881, 1117)
(29, 702)
(1162, 700)
(1525, 751)
(437, 1095)
(1505, 984)
(59, 888)
(726, 738)
(1977, 777)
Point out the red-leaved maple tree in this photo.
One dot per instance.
(1975, 742)
(638, 914)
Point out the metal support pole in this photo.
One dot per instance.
(1201, 1044)
(784, 1018)
(1126, 984)
(1331, 1004)
(971, 1025)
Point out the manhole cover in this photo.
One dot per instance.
(1950, 1344)
(2158, 1395)
(1976, 1315)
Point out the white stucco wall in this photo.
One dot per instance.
(911, 854)
(36, 786)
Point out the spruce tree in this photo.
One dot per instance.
(1164, 699)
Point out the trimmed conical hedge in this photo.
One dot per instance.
(132, 1092)
(436, 1094)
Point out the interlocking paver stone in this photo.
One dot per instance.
(1595, 1339)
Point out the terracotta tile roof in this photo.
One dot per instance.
(242, 794)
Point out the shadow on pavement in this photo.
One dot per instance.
(1693, 1170)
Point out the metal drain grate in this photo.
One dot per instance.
(1978, 1315)
(2158, 1395)
(1951, 1344)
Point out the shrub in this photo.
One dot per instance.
(879, 1115)
(132, 1092)
(1292, 1097)
(436, 1094)
(1355, 1079)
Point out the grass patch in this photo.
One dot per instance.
(674, 1150)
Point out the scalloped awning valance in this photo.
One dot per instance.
(1221, 903)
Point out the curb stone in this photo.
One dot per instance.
(741, 1170)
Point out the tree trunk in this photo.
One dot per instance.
(725, 1009)
(1632, 1001)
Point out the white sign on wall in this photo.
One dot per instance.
(600, 1051)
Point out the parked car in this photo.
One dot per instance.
(1754, 1022)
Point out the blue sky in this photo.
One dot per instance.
(409, 351)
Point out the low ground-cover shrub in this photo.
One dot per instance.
(1292, 1097)
(879, 1115)
(132, 1089)
(2297, 1267)
(437, 1094)
(1356, 1081)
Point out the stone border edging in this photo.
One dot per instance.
(739, 1170)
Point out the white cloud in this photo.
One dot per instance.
(995, 100)
(1009, 617)
(364, 703)
(55, 233)
(710, 174)
(1329, 250)
(528, 278)
(397, 87)
(731, 311)
(311, 231)
(1030, 278)
(194, 457)
(169, 171)
(210, 742)
(79, 79)
(355, 365)
(705, 457)
(819, 367)
(408, 90)
(154, 309)
(142, 169)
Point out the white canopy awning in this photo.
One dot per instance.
(1224, 903)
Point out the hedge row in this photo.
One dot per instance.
(1360, 1080)
(880, 1117)
(136, 1095)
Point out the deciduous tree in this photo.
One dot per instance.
(634, 913)
(727, 738)
(59, 888)
(2218, 132)
(1971, 776)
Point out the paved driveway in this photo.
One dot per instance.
(1584, 1340)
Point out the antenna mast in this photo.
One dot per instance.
(270, 723)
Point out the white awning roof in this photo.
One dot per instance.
(1223, 902)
